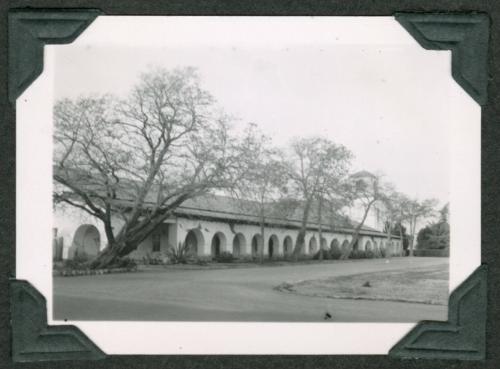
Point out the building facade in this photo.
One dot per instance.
(211, 225)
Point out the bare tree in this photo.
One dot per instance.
(263, 185)
(313, 164)
(415, 211)
(393, 203)
(130, 163)
(365, 189)
(331, 199)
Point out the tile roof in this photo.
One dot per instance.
(226, 208)
(229, 208)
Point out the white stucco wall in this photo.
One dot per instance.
(67, 219)
(175, 230)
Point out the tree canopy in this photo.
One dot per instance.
(140, 157)
(435, 235)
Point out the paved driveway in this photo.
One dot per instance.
(242, 294)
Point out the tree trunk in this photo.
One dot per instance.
(401, 236)
(262, 234)
(121, 245)
(389, 233)
(108, 256)
(412, 234)
(320, 233)
(300, 244)
(128, 238)
(355, 236)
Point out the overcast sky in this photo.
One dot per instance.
(367, 85)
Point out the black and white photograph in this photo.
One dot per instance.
(256, 170)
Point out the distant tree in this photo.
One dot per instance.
(435, 235)
(331, 202)
(130, 163)
(398, 229)
(444, 213)
(263, 185)
(395, 213)
(415, 211)
(312, 165)
(366, 189)
(390, 211)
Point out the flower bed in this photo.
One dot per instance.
(79, 272)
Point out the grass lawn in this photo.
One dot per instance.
(427, 285)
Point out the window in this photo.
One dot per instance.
(156, 240)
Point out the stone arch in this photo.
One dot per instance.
(368, 246)
(345, 245)
(382, 246)
(324, 244)
(86, 241)
(303, 248)
(375, 245)
(287, 246)
(195, 241)
(334, 245)
(256, 245)
(313, 245)
(273, 246)
(239, 244)
(218, 244)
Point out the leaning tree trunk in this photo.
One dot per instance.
(355, 236)
(412, 232)
(320, 233)
(389, 233)
(109, 255)
(127, 240)
(301, 237)
(262, 235)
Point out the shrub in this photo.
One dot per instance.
(74, 264)
(80, 261)
(434, 236)
(180, 254)
(335, 253)
(357, 254)
(200, 261)
(325, 255)
(280, 257)
(383, 252)
(245, 259)
(369, 254)
(80, 257)
(302, 257)
(152, 260)
(124, 262)
(224, 257)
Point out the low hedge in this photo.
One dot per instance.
(329, 254)
(432, 252)
(224, 257)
